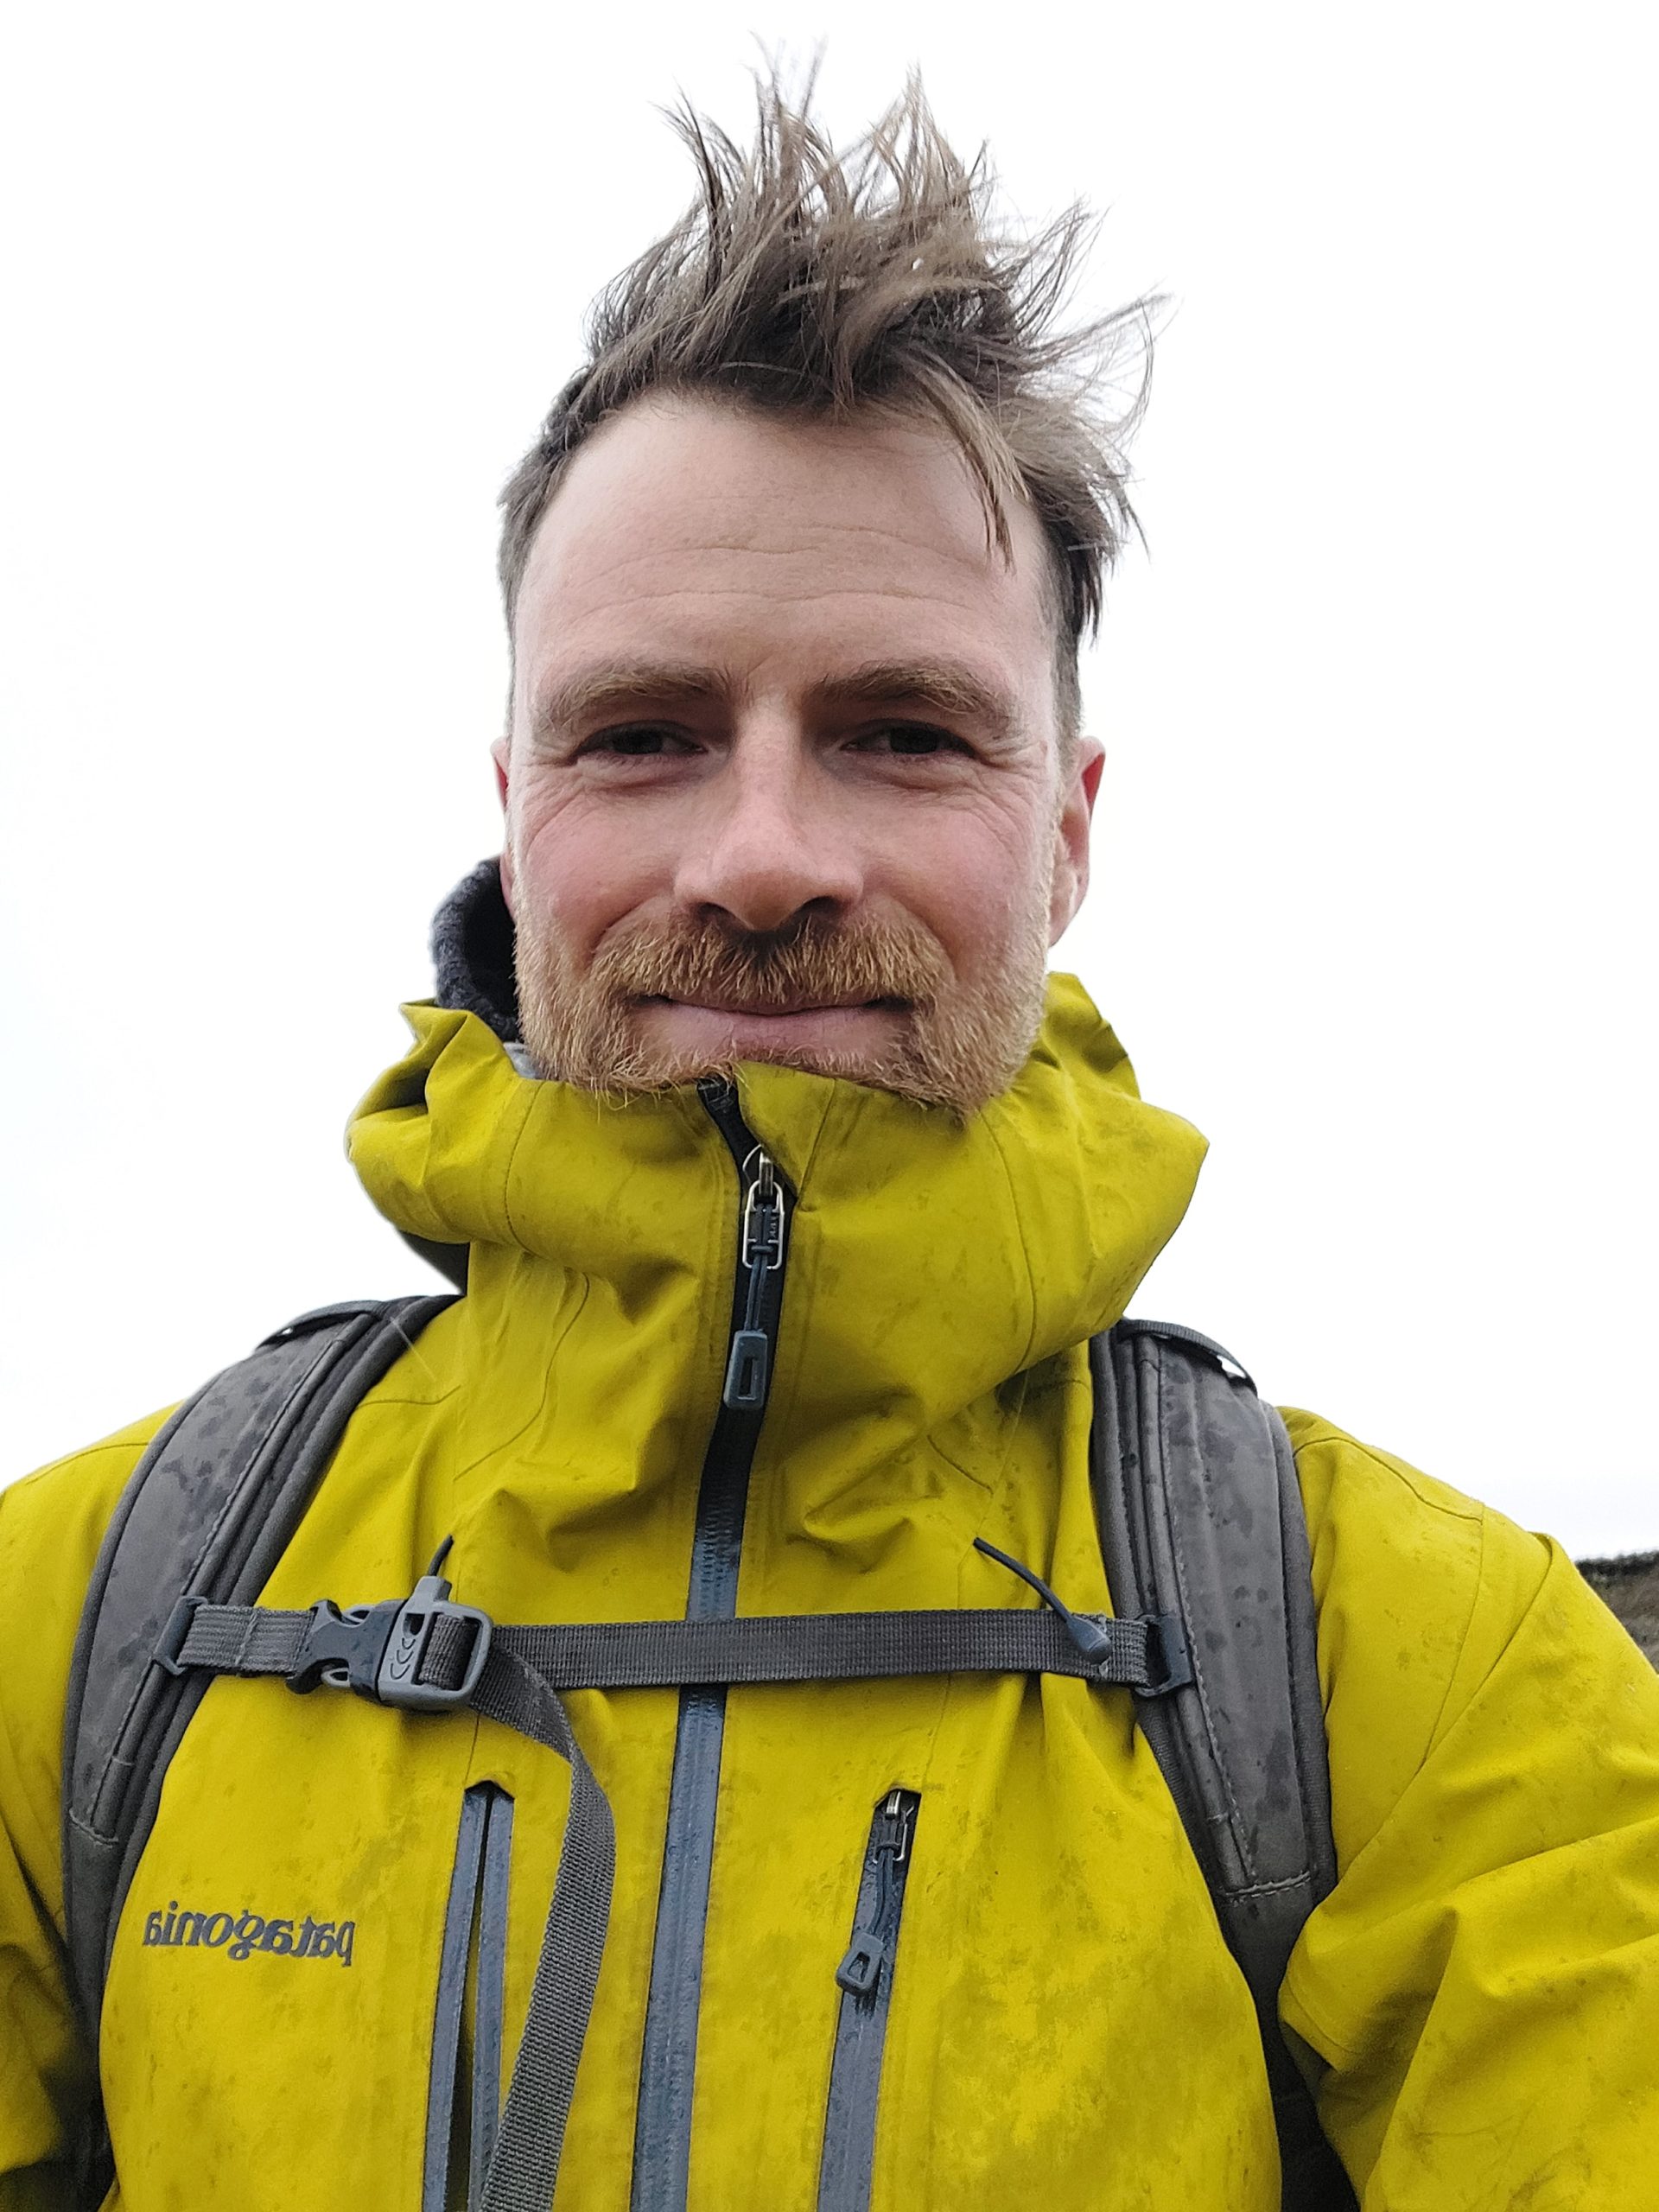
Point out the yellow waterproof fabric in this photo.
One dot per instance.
(1066, 2028)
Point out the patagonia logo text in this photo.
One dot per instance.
(240, 1935)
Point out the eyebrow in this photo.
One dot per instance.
(940, 687)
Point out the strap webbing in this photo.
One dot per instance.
(668, 1654)
(523, 2168)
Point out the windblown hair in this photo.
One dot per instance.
(814, 282)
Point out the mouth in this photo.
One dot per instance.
(775, 1010)
(811, 1032)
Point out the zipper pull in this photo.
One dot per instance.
(860, 1971)
(761, 1251)
(890, 1835)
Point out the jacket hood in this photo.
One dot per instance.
(930, 1260)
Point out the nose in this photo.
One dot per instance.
(770, 847)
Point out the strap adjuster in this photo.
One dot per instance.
(166, 1654)
(1168, 1653)
(397, 1678)
(376, 1650)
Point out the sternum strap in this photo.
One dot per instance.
(777, 1648)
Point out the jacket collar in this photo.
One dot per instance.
(930, 1260)
(1034, 1221)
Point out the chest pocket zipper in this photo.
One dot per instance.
(865, 1977)
(463, 2114)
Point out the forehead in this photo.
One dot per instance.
(770, 544)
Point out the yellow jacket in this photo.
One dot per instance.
(1066, 2027)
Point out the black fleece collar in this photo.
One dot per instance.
(472, 952)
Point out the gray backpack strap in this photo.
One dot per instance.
(209, 1509)
(1201, 1516)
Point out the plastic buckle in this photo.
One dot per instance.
(343, 1650)
(1166, 1652)
(375, 1650)
(173, 1636)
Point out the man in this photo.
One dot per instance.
(788, 1193)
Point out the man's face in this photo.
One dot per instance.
(783, 779)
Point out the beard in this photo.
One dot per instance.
(952, 1042)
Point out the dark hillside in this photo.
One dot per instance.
(1631, 1586)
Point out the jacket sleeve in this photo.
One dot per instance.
(51, 1526)
(1480, 1992)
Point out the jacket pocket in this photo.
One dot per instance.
(463, 2108)
(865, 1976)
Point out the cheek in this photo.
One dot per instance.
(975, 876)
(579, 868)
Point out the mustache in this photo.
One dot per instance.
(815, 961)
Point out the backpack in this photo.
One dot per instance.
(1206, 1553)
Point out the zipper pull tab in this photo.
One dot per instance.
(760, 1252)
(747, 1370)
(861, 1970)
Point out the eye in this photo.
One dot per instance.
(913, 740)
(645, 743)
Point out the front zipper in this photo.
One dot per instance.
(461, 2128)
(662, 2137)
(760, 1256)
(864, 1979)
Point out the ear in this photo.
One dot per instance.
(1070, 877)
(500, 754)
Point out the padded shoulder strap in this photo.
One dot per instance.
(1201, 1516)
(209, 1509)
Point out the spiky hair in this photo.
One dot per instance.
(816, 283)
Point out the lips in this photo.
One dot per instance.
(772, 1010)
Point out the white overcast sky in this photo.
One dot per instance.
(289, 289)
